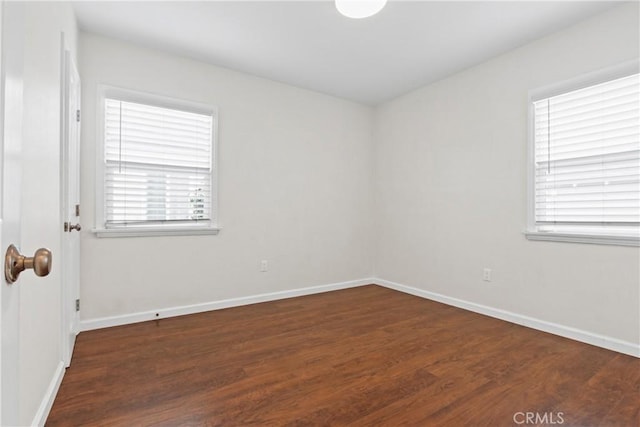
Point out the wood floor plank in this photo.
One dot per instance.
(366, 356)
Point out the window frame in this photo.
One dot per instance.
(579, 82)
(128, 95)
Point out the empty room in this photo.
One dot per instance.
(331, 212)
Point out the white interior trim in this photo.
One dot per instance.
(587, 337)
(125, 319)
(187, 230)
(598, 340)
(49, 396)
(583, 238)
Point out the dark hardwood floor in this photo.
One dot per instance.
(367, 356)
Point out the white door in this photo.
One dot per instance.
(11, 78)
(71, 204)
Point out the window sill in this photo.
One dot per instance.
(155, 231)
(598, 239)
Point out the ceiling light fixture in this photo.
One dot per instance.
(359, 8)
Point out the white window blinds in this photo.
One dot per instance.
(587, 158)
(158, 165)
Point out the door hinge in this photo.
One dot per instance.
(77, 210)
(77, 115)
(77, 305)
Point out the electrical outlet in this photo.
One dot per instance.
(486, 274)
(264, 265)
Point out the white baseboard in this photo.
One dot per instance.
(598, 340)
(541, 325)
(163, 313)
(49, 397)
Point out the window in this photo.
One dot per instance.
(585, 175)
(157, 166)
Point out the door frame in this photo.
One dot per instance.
(70, 323)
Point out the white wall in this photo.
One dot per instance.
(451, 189)
(40, 312)
(425, 191)
(295, 189)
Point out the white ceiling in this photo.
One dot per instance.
(310, 45)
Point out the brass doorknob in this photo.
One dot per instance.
(15, 263)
